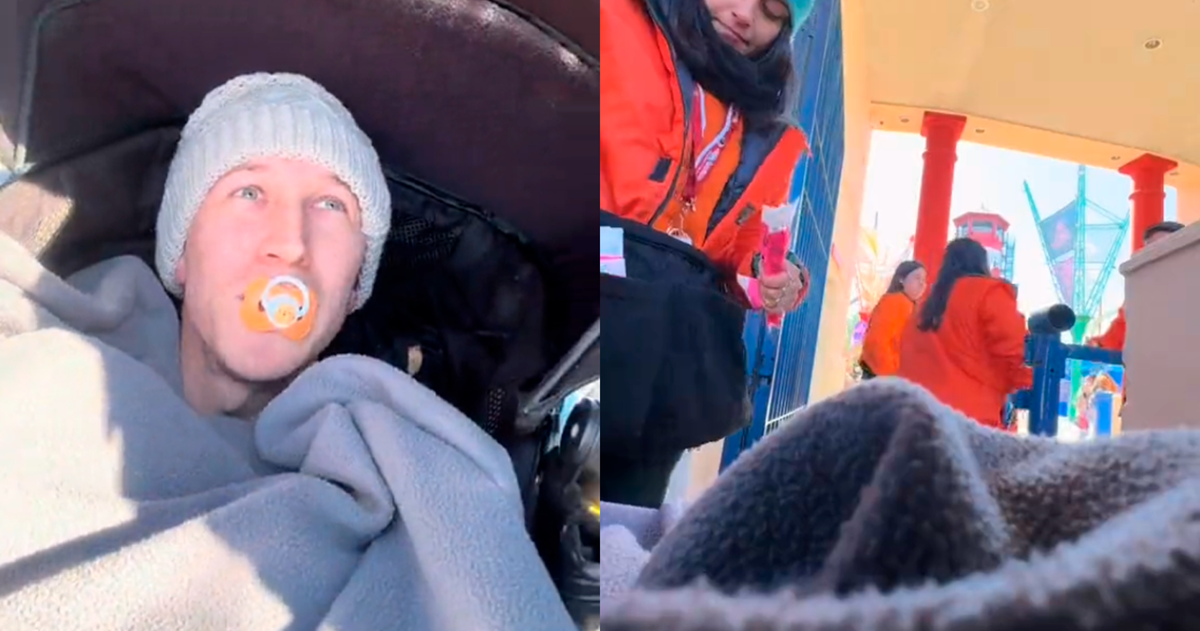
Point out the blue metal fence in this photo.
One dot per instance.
(780, 364)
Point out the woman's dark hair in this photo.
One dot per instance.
(963, 257)
(902, 272)
(763, 87)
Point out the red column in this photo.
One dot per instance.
(1148, 173)
(941, 132)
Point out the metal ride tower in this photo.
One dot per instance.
(991, 231)
(1081, 241)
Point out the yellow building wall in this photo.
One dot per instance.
(1188, 204)
(829, 369)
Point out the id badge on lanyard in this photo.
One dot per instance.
(703, 162)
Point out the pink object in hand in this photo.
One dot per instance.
(754, 294)
(775, 246)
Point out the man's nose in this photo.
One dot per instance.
(287, 235)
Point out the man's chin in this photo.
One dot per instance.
(270, 359)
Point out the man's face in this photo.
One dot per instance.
(270, 217)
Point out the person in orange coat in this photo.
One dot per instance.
(966, 341)
(1113, 338)
(697, 139)
(696, 136)
(881, 343)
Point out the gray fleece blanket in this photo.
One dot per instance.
(358, 501)
(882, 510)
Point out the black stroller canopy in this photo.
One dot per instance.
(495, 103)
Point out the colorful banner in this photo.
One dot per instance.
(1058, 231)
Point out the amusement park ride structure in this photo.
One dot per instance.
(991, 231)
(1081, 242)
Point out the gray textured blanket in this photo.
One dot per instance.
(358, 501)
(883, 510)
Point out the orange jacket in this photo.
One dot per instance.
(1114, 338)
(976, 358)
(645, 135)
(881, 344)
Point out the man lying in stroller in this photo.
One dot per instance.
(271, 227)
(355, 499)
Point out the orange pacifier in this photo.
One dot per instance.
(282, 304)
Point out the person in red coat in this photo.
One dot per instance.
(966, 342)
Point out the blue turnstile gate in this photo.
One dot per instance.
(1048, 356)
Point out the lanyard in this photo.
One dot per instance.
(705, 159)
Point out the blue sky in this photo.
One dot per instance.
(993, 177)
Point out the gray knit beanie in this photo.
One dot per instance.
(270, 115)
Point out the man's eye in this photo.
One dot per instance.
(330, 203)
(249, 193)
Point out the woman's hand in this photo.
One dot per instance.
(783, 292)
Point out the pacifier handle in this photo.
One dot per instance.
(272, 304)
(282, 304)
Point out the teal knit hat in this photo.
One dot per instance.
(800, 10)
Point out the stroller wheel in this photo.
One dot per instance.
(567, 525)
(578, 576)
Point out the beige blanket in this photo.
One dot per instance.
(359, 501)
